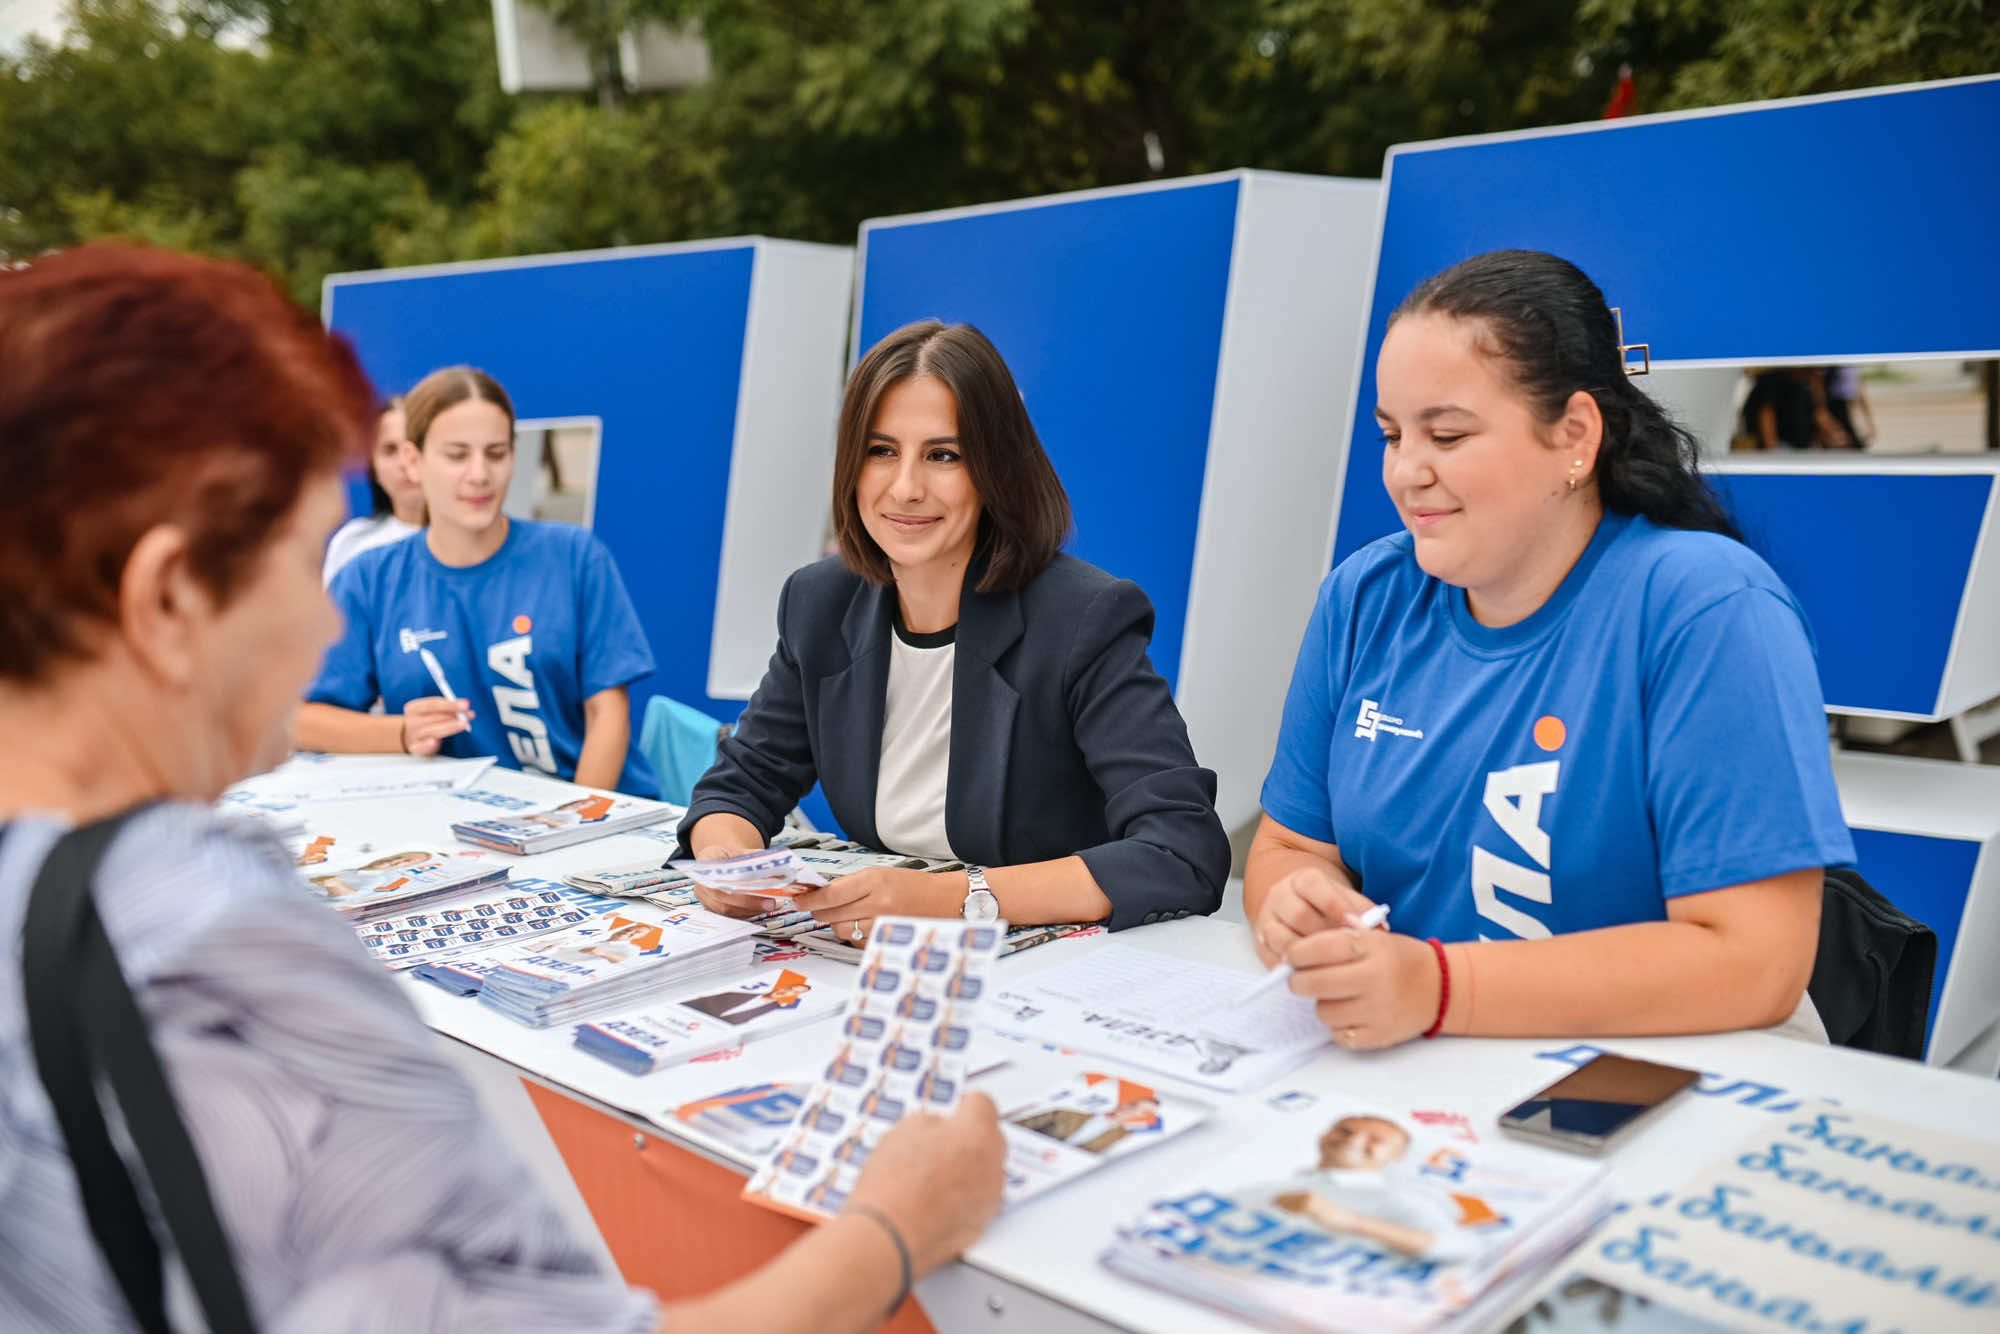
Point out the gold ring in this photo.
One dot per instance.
(1347, 1036)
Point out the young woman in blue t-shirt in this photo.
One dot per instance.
(527, 623)
(1565, 725)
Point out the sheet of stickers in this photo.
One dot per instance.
(901, 1048)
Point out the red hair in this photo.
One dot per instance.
(141, 387)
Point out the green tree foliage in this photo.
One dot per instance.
(311, 136)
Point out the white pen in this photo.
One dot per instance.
(1377, 916)
(436, 670)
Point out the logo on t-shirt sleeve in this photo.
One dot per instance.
(517, 704)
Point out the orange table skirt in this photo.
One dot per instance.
(676, 1223)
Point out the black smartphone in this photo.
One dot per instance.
(1593, 1107)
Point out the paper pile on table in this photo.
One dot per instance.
(400, 881)
(1062, 1131)
(578, 820)
(437, 935)
(613, 961)
(708, 1018)
(1163, 1013)
(1362, 1220)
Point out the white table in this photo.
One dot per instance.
(1036, 1268)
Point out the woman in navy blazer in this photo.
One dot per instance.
(1069, 780)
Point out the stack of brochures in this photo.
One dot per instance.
(706, 1019)
(399, 881)
(613, 961)
(440, 934)
(1358, 1219)
(578, 820)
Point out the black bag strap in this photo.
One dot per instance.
(84, 1024)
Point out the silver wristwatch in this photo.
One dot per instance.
(980, 905)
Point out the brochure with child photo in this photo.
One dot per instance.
(1359, 1219)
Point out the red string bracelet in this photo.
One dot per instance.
(1444, 989)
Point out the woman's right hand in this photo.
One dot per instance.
(716, 837)
(429, 720)
(1306, 900)
(938, 1179)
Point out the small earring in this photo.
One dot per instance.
(1575, 465)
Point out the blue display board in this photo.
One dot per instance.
(1835, 229)
(1109, 311)
(1911, 538)
(649, 343)
(1928, 878)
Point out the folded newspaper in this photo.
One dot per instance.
(707, 1019)
(1361, 1220)
(613, 961)
(578, 820)
(437, 935)
(399, 881)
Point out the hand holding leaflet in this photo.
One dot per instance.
(1281, 976)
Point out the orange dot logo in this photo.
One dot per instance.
(1550, 732)
(522, 625)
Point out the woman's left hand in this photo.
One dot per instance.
(851, 904)
(1371, 988)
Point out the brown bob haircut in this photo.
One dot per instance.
(141, 387)
(447, 389)
(1024, 512)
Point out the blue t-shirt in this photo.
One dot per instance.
(1655, 729)
(526, 636)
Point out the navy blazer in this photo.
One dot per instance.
(1064, 740)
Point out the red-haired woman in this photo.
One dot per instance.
(171, 437)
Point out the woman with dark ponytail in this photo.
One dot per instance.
(1566, 727)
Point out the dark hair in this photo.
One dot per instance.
(1024, 512)
(1547, 322)
(141, 387)
(378, 499)
(447, 389)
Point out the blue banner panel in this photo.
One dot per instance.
(1878, 561)
(1109, 312)
(1840, 229)
(1928, 878)
(651, 344)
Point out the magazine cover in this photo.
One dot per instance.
(530, 907)
(1082, 1123)
(1359, 1219)
(578, 820)
(611, 959)
(902, 1045)
(400, 880)
(713, 1018)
